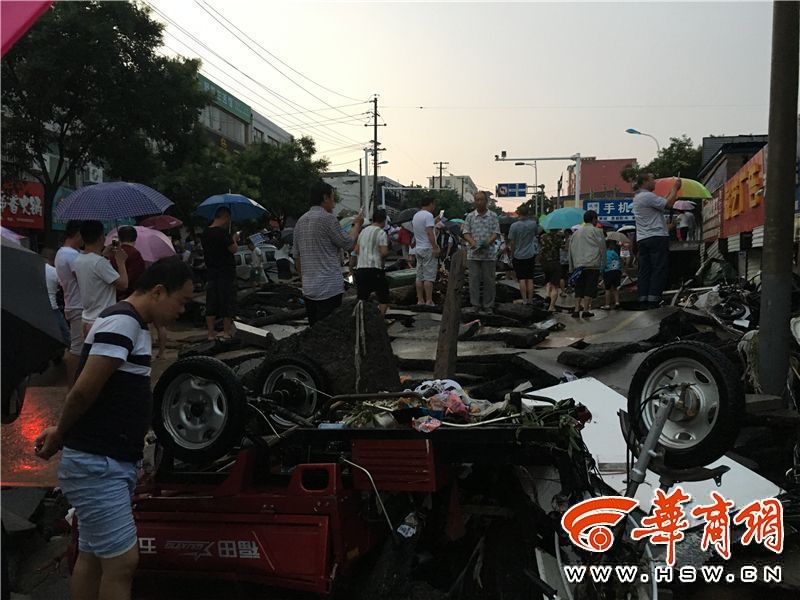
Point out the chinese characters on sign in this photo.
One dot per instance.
(589, 523)
(743, 197)
(22, 205)
(612, 211)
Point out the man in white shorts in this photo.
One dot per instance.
(426, 251)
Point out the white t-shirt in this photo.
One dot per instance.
(369, 242)
(421, 221)
(65, 267)
(686, 220)
(51, 279)
(257, 259)
(96, 279)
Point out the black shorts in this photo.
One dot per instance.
(524, 267)
(586, 286)
(564, 271)
(552, 272)
(221, 297)
(372, 280)
(612, 279)
(319, 309)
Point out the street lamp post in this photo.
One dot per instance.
(635, 132)
(535, 181)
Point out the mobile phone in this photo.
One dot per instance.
(441, 214)
(115, 244)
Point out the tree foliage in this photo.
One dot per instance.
(446, 199)
(284, 174)
(539, 200)
(85, 85)
(680, 158)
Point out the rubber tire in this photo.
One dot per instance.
(731, 402)
(299, 360)
(233, 430)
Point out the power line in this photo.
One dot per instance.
(577, 106)
(302, 112)
(224, 73)
(283, 99)
(209, 5)
(249, 47)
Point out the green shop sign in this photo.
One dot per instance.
(227, 101)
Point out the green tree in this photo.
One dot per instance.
(206, 170)
(538, 200)
(680, 158)
(85, 85)
(284, 174)
(446, 199)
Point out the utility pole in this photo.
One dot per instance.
(776, 260)
(360, 187)
(462, 189)
(441, 168)
(375, 147)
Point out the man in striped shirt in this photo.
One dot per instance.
(102, 428)
(318, 241)
(372, 248)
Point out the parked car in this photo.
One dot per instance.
(244, 260)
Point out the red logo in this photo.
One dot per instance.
(589, 523)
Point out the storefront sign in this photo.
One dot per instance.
(711, 217)
(616, 211)
(227, 101)
(22, 205)
(743, 204)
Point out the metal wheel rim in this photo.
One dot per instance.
(683, 435)
(298, 379)
(194, 411)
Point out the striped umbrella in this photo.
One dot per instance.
(109, 201)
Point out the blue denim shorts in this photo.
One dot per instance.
(99, 488)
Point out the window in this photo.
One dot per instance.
(258, 135)
(224, 123)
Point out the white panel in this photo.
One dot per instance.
(734, 243)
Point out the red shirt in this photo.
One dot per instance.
(134, 265)
(404, 236)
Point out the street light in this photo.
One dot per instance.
(633, 131)
(535, 179)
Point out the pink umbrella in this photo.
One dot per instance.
(684, 205)
(161, 222)
(151, 243)
(11, 236)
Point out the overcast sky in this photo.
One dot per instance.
(534, 79)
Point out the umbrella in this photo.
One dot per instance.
(287, 235)
(162, 222)
(408, 226)
(11, 236)
(242, 208)
(405, 216)
(689, 188)
(618, 237)
(347, 223)
(109, 201)
(30, 332)
(455, 220)
(151, 243)
(563, 218)
(627, 228)
(684, 205)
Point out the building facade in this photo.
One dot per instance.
(462, 184)
(601, 178)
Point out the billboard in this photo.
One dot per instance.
(743, 197)
(22, 205)
(617, 211)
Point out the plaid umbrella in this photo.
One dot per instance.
(109, 201)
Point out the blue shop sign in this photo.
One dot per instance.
(616, 211)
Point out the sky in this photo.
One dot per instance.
(534, 79)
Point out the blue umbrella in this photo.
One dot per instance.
(110, 201)
(242, 208)
(562, 218)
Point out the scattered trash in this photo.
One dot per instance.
(409, 525)
(426, 424)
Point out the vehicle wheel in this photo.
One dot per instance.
(199, 408)
(706, 427)
(300, 378)
(13, 399)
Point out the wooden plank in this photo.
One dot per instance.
(447, 348)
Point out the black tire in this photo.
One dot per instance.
(216, 412)
(308, 377)
(719, 426)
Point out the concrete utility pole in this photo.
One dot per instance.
(441, 168)
(360, 186)
(776, 258)
(375, 149)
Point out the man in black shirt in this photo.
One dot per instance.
(102, 428)
(219, 247)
